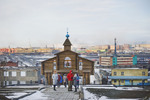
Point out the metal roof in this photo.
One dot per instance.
(129, 77)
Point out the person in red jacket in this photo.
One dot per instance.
(70, 80)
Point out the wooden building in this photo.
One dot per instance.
(65, 61)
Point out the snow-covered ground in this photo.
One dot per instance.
(19, 91)
(48, 93)
(91, 96)
(116, 88)
(38, 95)
(16, 95)
(36, 86)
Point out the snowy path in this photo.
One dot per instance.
(49, 94)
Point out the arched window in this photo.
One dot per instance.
(80, 64)
(54, 65)
(67, 62)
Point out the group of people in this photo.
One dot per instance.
(69, 79)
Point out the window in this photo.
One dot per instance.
(115, 81)
(7, 83)
(6, 73)
(67, 62)
(31, 73)
(115, 73)
(143, 73)
(54, 65)
(122, 73)
(80, 65)
(14, 82)
(22, 82)
(122, 81)
(14, 73)
(23, 73)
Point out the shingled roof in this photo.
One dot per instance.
(67, 43)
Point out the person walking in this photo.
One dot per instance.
(77, 80)
(70, 79)
(59, 80)
(55, 78)
(65, 80)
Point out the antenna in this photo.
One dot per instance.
(115, 51)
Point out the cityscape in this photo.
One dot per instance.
(98, 50)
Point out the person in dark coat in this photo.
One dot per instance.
(70, 79)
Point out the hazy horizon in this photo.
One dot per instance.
(37, 23)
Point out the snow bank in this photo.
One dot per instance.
(89, 96)
(16, 95)
(36, 86)
(116, 88)
(36, 96)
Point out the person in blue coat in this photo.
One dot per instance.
(59, 80)
(77, 79)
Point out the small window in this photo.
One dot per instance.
(67, 62)
(14, 82)
(122, 73)
(7, 82)
(54, 65)
(122, 81)
(115, 73)
(115, 81)
(143, 73)
(14, 73)
(22, 82)
(6, 73)
(23, 73)
(80, 65)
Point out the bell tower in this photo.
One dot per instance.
(67, 44)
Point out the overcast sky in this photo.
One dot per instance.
(93, 22)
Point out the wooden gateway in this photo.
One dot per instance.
(65, 61)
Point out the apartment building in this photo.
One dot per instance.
(129, 76)
(20, 75)
(118, 61)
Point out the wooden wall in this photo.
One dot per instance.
(87, 67)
